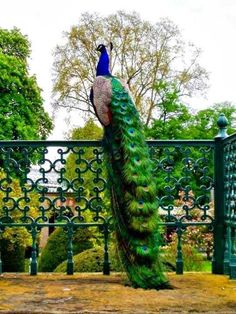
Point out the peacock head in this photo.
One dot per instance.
(101, 48)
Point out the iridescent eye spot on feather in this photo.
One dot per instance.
(117, 156)
(128, 120)
(140, 204)
(131, 131)
(145, 188)
(137, 160)
(132, 146)
(118, 97)
(115, 103)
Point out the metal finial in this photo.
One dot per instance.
(222, 123)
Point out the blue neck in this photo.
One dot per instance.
(103, 64)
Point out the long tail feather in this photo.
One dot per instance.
(133, 192)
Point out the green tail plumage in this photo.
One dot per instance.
(133, 192)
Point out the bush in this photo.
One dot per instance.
(55, 250)
(92, 261)
(14, 241)
(192, 259)
(13, 256)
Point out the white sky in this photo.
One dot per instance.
(209, 24)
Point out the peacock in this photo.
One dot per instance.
(133, 190)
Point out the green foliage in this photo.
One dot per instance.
(22, 114)
(15, 192)
(55, 250)
(14, 240)
(144, 53)
(90, 131)
(176, 121)
(173, 116)
(192, 259)
(13, 253)
(196, 241)
(91, 260)
(199, 237)
(13, 43)
(203, 125)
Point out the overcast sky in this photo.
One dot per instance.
(209, 24)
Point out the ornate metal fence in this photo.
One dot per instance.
(66, 180)
(229, 148)
(184, 174)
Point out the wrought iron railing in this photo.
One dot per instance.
(67, 180)
(183, 171)
(230, 205)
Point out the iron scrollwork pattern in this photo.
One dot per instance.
(53, 184)
(183, 171)
(230, 205)
(64, 184)
(184, 174)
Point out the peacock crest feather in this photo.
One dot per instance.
(134, 203)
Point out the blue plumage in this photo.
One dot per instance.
(103, 63)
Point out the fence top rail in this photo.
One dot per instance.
(57, 143)
(230, 138)
(98, 143)
(152, 143)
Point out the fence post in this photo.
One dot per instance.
(33, 262)
(106, 263)
(219, 202)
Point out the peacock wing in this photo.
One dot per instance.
(101, 99)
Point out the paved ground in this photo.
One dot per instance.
(95, 293)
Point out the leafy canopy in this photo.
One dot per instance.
(177, 121)
(22, 115)
(144, 54)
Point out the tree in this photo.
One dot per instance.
(144, 54)
(90, 131)
(84, 167)
(22, 114)
(203, 124)
(177, 121)
(22, 117)
(173, 116)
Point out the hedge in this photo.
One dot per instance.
(91, 260)
(55, 250)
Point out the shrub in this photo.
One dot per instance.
(192, 259)
(13, 256)
(55, 250)
(91, 260)
(13, 241)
